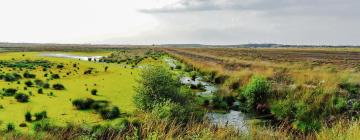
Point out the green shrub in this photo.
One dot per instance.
(94, 91)
(29, 75)
(40, 91)
(98, 105)
(82, 104)
(10, 92)
(22, 124)
(350, 87)
(339, 104)
(157, 85)
(55, 76)
(29, 83)
(112, 113)
(39, 82)
(219, 103)
(40, 115)
(178, 67)
(42, 125)
(10, 127)
(60, 66)
(169, 110)
(356, 106)
(28, 116)
(58, 86)
(307, 126)
(21, 97)
(256, 92)
(46, 85)
(11, 77)
(283, 109)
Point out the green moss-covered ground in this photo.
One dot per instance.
(115, 85)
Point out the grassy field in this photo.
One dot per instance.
(115, 85)
(285, 93)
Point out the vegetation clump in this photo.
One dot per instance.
(94, 92)
(55, 76)
(9, 92)
(102, 107)
(40, 115)
(28, 116)
(155, 86)
(256, 93)
(29, 83)
(28, 75)
(21, 97)
(58, 86)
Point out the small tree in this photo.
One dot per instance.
(256, 92)
(157, 85)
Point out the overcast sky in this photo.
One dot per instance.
(331, 22)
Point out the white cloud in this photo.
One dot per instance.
(181, 21)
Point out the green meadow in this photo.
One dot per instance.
(114, 85)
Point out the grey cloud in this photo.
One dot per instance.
(333, 22)
(291, 6)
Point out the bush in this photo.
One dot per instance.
(29, 75)
(94, 92)
(283, 109)
(82, 104)
(21, 97)
(169, 110)
(112, 113)
(219, 103)
(10, 92)
(42, 125)
(39, 82)
(10, 127)
(58, 86)
(29, 83)
(46, 85)
(178, 67)
(28, 116)
(22, 124)
(98, 105)
(339, 104)
(155, 86)
(40, 115)
(307, 126)
(350, 87)
(55, 76)
(11, 77)
(256, 92)
(60, 66)
(40, 91)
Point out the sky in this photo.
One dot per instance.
(226, 22)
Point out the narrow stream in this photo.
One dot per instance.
(235, 119)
